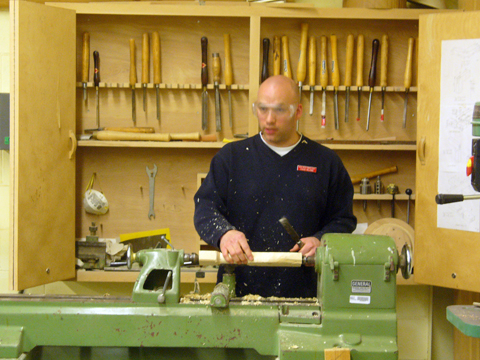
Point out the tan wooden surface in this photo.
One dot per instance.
(291, 259)
(43, 188)
(443, 257)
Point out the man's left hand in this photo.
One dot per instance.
(310, 245)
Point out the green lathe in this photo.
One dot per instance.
(353, 316)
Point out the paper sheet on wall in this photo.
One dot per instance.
(460, 89)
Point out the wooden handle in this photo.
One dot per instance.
(373, 66)
(360, 47)
(204, 43)
(133, 65)
(209, 137)
(384, 61)
(357, 178)
(145, 130)
(290, 259)
(186, 136)
(335, 73)
(287, 67)
(85, 57)
(408, 67)
(324, 63)
(277, 60)
(312, 60)
(302, 59)
(216, 67)
(96, 70)
(266, 49)
(157, 69)
(145, 59)
(130, 136)
(228, 60)
(349, 60)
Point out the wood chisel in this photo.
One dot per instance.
(85, 63)
(383, 71)
(96, 81)
(204, 75)
(348, 72)
(312, 68)
(372, 76)
(287, 67)
(324, 77)
(335, 77)
(359, 83)
(302, 59)
(145, 67)
(277, 60)
(133, 78)
(216, 80)
(291, 231)
(266, 49)
(157, 72)
(408, 78)
(228, 75)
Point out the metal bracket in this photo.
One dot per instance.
(389, 268)
(334, 267)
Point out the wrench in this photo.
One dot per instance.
(151, 176)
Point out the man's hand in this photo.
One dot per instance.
(310, 245)
(234, 247)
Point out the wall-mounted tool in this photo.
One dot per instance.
(145, 67)
(357, 178)
(348, 73)
(287, 67)
(372, 76)
(157, 72)
(85, 63)
(379, 189)
(359, 83)
(151, 178)
(383, 71)
(392, 189)
(302, 59)
(204, 75)
(96, 81)
(216, 80)
(335, 77)
(324, 77)
(409, 192)
(407, 82)
(133, 78)
(229, 75)
(291, 231)
(312, 68)
(365, 189)
(266, 49)
(277, 59)
(91, 252)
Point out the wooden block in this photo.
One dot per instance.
(292, 259)
(337, 354)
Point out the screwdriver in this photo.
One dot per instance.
(266, 49)
(408, 78)
(229, 74)
(360, 45)
(324, 76)
(348, 72)
(287, 68)
(157, 74)
(85, 63)
(302, 59)
(276, 56)
(372, 76)
(145, 67)
(312, 68)
(335, 77)
(383, 71)
(133, 78)
(96, 81)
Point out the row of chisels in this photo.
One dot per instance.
(308, 51)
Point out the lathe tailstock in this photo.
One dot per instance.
(354, 316)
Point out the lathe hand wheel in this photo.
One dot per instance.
(406, 261)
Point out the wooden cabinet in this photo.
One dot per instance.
(49, 215)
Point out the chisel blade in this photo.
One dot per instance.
(230, 115)
(204, 109)
(218, 113)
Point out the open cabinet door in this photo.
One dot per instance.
(42, 161)
(445, 257)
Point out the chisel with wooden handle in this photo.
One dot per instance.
(348, 73)
(312, 68)
(359, 83)
(287, 67)
(157, 73)
(204, 76)
(130, 136)
(216, 81)
(357, 178)
(266, 49)
(85, 63)
(133, 78)
(372, 76)
(228, 75)
(302, 59)
(335, 77)
(277, 60)
(383, 71)
(324, 77)
(408, 78)
(96, 81)
(145, 67)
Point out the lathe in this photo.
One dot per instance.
(353, 316)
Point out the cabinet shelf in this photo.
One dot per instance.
(384, 197)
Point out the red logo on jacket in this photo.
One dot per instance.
(305, 168)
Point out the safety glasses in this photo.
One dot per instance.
(279, 111)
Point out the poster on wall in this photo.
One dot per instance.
(460, 89)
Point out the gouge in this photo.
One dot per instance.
(312, 68)
(157, 74)
(204, 75)
(287, 67)
(266, 49)
(335, 77)
(302, 58)
(277, 60)
(383, 71)
(372, 76)
(359, 83)
(85, 63)
(323, 77)
(133, 78)
(96, 81)
(348, 73)
(145, 67)
(408, 78)
(216, 80)
(228, 75)
(291, 231)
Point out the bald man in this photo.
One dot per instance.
(254, 182)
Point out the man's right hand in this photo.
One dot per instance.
(234, 247)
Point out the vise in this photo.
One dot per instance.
(353, 316)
